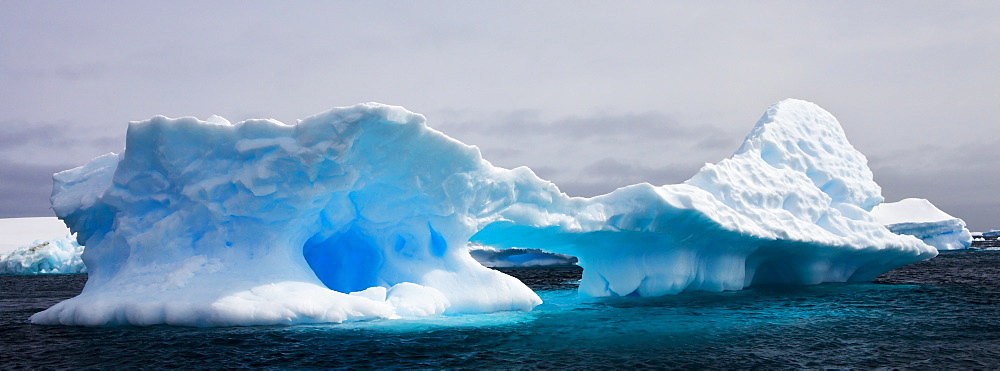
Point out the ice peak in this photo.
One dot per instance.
(800, 136)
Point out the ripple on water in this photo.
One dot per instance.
(906, 318)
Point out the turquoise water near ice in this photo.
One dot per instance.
(942, 313)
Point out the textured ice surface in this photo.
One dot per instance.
(790, 206)
(365, 212)
(61, 255)
(38, 246)
(919, 218)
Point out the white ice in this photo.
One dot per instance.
(919, 218)
(365, 212)
(38, 246)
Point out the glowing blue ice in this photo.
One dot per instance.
(365, 212)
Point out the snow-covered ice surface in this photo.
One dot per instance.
(919, 218)
(365, 212)
(37, 246)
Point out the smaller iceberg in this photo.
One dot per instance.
(38, 245)
(61, 256)
(986, 240)
(519, 258)
(919, 218)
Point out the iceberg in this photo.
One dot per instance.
(16, 233)
(56, 252)
(919, 218)
(58, 256)
(365, 212)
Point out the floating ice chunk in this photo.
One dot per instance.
(206, 224)
(919, 218)
(60, 256)
(38, 246)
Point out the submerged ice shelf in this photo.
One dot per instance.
(365, 212)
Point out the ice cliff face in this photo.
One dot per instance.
(365, 212)
(919, 218)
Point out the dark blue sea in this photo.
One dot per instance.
(942, 313)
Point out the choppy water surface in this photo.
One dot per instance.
(934, 314)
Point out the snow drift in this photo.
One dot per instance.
(365, 212)
(919, 218)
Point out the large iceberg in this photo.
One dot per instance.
(919, 218)
(365, 212)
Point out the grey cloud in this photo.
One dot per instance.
(629, 125)
(966, 194)
(64, 73)
(81, 71)
(25, 189)
(609, 174)
(15, 133)
(720, 140)
(55, 142)
(971, 157)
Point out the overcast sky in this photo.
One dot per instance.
(591, 95)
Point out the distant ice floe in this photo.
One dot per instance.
(519, 258)
(365, 212)
(986, 240)
(39, 245)
(919, 218)
(44, 257)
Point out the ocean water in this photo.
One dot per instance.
(942, 313)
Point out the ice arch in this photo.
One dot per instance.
(365, 212)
